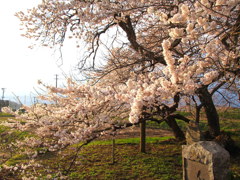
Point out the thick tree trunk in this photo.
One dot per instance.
(178, 133)
(143, 136)
(210, 110)
(198, 110)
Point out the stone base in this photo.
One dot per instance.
(205, 160)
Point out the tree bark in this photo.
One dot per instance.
(198, 110)
(178, 133)
(143, 136)
(210, 110)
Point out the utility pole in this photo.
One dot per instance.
(3, 91)
(34, 100)
(56, 78)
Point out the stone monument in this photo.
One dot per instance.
(203, 160)
(193, 133)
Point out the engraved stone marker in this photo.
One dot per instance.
(205, 160)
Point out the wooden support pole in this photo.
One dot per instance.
(113, 150)
(143, 136)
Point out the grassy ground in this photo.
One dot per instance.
(162, 160)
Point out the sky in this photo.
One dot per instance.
(21, 67)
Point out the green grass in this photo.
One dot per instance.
(4, 129)
(184, 113)
(10, 136)
(18, 158)
(162, 161)
(164, 125)
(233, 113)
(2, 114)
(131, 140)
(230, 124)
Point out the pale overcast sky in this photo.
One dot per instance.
(20, 66)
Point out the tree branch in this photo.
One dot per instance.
(131, 35)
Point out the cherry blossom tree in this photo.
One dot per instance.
(149, 35)
(156, 53)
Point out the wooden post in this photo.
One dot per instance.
(113, 150)
(143, 136)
